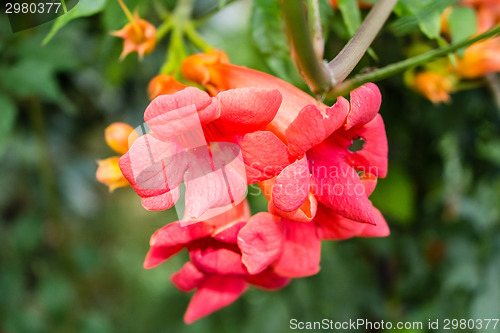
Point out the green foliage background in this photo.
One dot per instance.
(71, 253)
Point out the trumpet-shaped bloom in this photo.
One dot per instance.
(256, 127)
(207, 142)
(317, 134)
(216, 268)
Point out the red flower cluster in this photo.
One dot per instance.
(255, 128)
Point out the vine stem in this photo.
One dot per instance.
(398, 67)
(322, 77)
(164, 28)
(63, 3)
(196, 39)
(343, 64)
(176, 51)
(130, 17)
(312, 68)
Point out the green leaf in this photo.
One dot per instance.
(430, 24)
(463, 24)
(425, 16)
(8, 112)
(266, 29)
(30, 77)
(487, 301)
(267, 34)
(83, 9)
(350, 14)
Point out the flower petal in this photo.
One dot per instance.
(332, 226)
(167, 109)
(304, 213)
(152, 166)
(365, 103)
(291, 188)
(311, 127)
(221, 261)
(207, 188)
(161, 202)
(261, 242)
(373, 157)
(187, 278)
(264, 155)
(214, 293)
(228, 233)
(241, 212)
(268, 279)
(337, 185)
(170, 239)
(379, 230)
(301, 251)
(246, 110)
(369, 182)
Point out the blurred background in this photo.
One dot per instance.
(71, 253)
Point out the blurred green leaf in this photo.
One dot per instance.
(8, 113)
(83, 9)
(55, 294)
(350, 14)
(268, 36)
(430, 24)
(463, 24)
(30, 77)
(326, 16)
(266, 29)
(95, 322)
(26, 234)
(487, 302)
(425, 15)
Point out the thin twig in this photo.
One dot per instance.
(348, 58)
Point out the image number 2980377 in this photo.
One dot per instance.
(26, 14)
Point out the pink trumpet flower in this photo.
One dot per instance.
(255, 128)
(207, 142)
(216, 268)
(317, 136)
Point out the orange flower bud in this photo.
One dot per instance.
(444, 21)
(434, 86)
(200, 68)
(480, 58)
(139, 36)
(164, 84)
(119, 136)
(109, 173)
